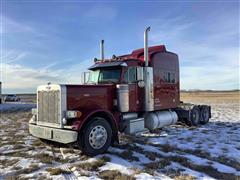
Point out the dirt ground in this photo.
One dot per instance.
(211, 151)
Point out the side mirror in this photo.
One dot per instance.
(140, 74)
(85, 77)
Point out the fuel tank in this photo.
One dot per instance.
(159, 119)
(123, 97)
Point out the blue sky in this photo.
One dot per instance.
(55, 41)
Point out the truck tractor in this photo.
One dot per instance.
(130, 94)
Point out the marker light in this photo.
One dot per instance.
(73, 114)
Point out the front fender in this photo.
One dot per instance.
(78, 124)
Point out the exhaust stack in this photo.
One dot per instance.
(148, 77)
(102, 50)
(146, 46)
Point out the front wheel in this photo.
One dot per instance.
(96, 137)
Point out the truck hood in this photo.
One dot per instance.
(87, 97)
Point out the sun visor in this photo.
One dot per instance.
(107, 64)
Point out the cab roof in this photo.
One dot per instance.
(137, 55)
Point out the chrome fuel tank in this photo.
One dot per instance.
(123, 97)
(159, 119)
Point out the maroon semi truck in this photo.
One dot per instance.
(132, 94)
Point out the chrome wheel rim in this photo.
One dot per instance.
(98, 137)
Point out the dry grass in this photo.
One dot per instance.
(114, 175)
(17, 153)
(44, 158)
(220, 159)
(8, 162)
(69, 150)
(128, 154)
(166, 148)
(209, 170)
(57, 171)
(151, 155)
(196, 152)
(42, 177)
(11, 177)
(38, 143)
(184, 177)
(155, 166)
(91, 166)
(213, 97)
(30, 169)
(106, 158)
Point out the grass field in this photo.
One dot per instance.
(211, 151)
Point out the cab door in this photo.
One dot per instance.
(136, 97)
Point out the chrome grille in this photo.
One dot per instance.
(49, 106)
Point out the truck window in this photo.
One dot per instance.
(130, 76)
(169, 77)
(109, 75)
(172, 77)
(93, 76)
(104, 75)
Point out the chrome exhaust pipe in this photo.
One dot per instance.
(146, 46)
(148, 76)
(102, 50)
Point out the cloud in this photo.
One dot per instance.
(10, 56)
(20, 78)
(11, 26)
(168, 30)
(16, 76)
(208, 60)
(210, 77)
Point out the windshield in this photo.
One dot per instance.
(105, 76)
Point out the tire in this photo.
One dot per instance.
(204, 114)
(195, 116)
(97, 128)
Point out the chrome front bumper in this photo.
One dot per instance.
(53, 134)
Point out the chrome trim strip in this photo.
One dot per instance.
(63, 103)
(149, 92)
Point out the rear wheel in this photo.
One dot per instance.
(96, 137)
(204, 114)
(195, 115)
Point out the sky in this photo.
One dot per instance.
(55, 41)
